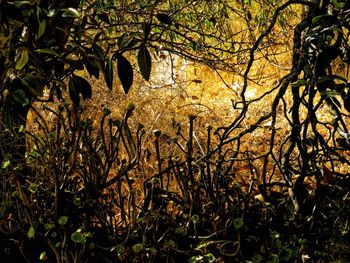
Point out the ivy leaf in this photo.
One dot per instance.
(78, 237)
(63, 220)
(21, 59)
(109, 73)
(125, 72)
(164, 18)
(145, 62)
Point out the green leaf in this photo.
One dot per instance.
(49, 226)
(195, 219)
(70, 12)
(78, 237)
(153, 250)
(137, 248)
(145, 62)
(85, 88)
(125, 72)
(346, 101)
(298, 83)
(106, 111)
(33, 187)
(109, 73)
(41, 29)
(78, 85)
(164, 18)
(20, 96)
(274, 259)
(47, 51)
(31, 232)
(210, 258)
(53, 12)
(317, 19)
(146, 29)
(43, 256)
(63, 220)
(123, 41)
(3, 39)
(73, 92)
(92, 67)
(257, 258)
(238, 223)
(5, 164)
(21, 59)
(20, 4)
(202, 245)
(32, 83)
(119, 249)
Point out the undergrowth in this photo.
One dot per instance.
(83, 200)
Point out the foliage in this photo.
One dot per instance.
(75, 194)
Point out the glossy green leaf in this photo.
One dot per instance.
(145, 62)
(125, 72)
(70, 12)
(78, 237)
(53, 12)
(43, 256)
(109, 73)
(21, 59)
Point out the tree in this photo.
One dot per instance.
(314, 144)
(44, 43)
